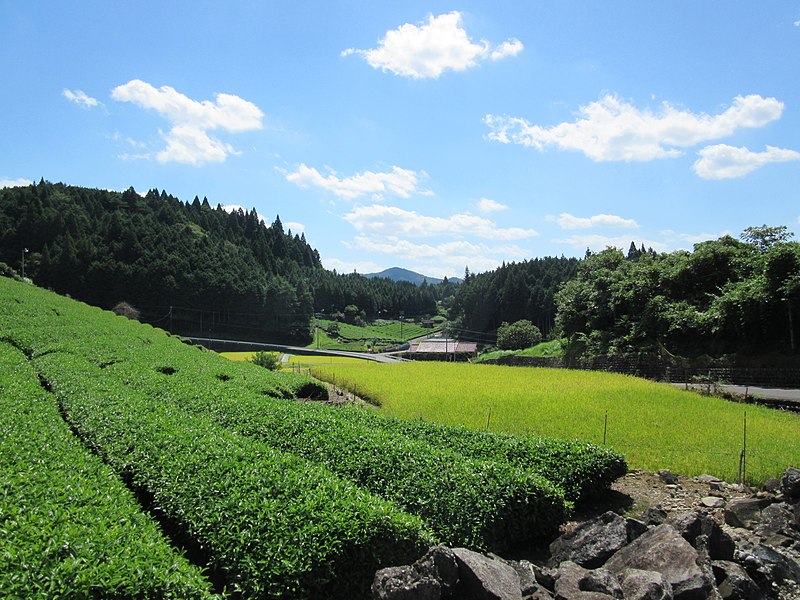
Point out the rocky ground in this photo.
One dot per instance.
(656, 536)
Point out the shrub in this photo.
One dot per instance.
(520, 334)
(124, 309)
(268, 360)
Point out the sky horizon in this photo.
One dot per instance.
(432, 136)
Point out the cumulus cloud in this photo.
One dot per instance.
(487, 205)
(188, 141)
(614, 130)
(8, 183)
(597, 242)
(568, 221)
(393, 222)
(429, 49)
(80, 98)
(397, 182)
(729, 162)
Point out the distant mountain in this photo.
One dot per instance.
(399, 274)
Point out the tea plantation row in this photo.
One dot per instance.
(272, 497)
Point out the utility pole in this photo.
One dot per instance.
(24, 251)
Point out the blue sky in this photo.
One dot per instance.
(428, 135)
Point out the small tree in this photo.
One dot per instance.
(333, 329)
(518, 335)
(268, 360)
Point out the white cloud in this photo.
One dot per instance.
(296, 228)
(568, 221)
(399, 182)
(614, 130)
(687, 240)
(487, 205)
(393, 222)
(7, 183)
(80, 98)
(597, 242)
(440, 260)
(729, 162)
(188, 140)
(511, 47)
(429, 49)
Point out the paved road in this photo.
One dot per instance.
(787, 398)
(231, 345)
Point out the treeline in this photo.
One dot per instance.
(186, 266)
(727, 296)
(514, 291)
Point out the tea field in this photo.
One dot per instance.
(653, 425)
(135, 465)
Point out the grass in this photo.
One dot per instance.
(653, 425)
(544, 349)
(381, 334)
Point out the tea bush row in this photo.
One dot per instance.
(273, 525)
(488, 504)
(68, 526)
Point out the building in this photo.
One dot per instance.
(443, 349)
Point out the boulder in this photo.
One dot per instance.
(777, 519)
(717, 543)
(712, 502)
(484, 578)
(772, 485)
(765, 565)
(733, 582)
(663, 550)
(404, 583)
(745, 512)
(591, 543)
(645, 585)
(654, 516)
(576, 583)
(790, 485)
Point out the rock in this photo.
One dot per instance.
(404, 583)
(745, 512)
(663, 550)
(668, 477)
(712, 502)
(645, 585)
(439, 563)
(717, 543)
(635, 528)
(708, 479)
(483, 578)
(764, 564)
(545, 576)
(733, 582)
(654, 516)
(772, 485)
(790, 485)
(527, 577)
(576, 583)
(777, 519)
(592, 543)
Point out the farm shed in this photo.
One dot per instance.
(443, 349)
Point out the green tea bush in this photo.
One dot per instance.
(273, 525)
(487, 504)
(70, 528)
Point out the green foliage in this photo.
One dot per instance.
(726, 296)
(654, 426)
(518, 335)
(383, 333)
(510, 293)
(267, 360)
(70, 528)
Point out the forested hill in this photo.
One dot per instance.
(188, 267)
(513, 291)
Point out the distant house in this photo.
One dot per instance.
(428, 323)
(443, 349)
